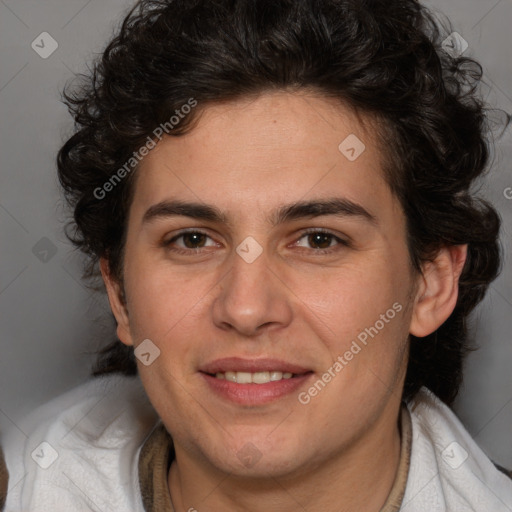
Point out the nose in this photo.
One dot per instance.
(252, 299)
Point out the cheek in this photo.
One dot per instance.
(161, 299)
(352, 297)
(360, 315)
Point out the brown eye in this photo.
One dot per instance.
(194, 240)
(189, 240)
(320, 240)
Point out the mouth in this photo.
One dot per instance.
(253, 382)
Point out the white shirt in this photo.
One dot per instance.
(93, 434)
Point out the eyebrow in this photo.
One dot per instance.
(339, 207)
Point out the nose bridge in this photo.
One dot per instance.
(248, 281)
(248, 264)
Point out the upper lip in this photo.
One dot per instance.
(238, 364)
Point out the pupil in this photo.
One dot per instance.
(192, 239)
(320, 239)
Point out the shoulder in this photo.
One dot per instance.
(449, 471)
(79, 451)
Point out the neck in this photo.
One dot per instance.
(358, 478)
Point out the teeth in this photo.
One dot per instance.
(231, 376)
(243, 377)
(254, 378)
(259, 377)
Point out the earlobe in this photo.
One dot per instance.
(117, 303)
(438, 290)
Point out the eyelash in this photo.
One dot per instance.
(340, 241)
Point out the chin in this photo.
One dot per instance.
(256, 456)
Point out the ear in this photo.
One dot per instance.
(438, 290)
(117, 303)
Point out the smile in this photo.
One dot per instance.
(253, 382)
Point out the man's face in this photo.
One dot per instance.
(258, 290)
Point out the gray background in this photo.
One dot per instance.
(51, 323)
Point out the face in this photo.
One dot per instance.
(260, 245)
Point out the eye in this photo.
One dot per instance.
(189, 241)
(317, 240)
(321, 241)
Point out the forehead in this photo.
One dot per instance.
(251, 155)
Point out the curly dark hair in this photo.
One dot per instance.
(384, 58)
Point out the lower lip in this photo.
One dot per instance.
(255, 394)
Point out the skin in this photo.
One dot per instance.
(295, 303)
